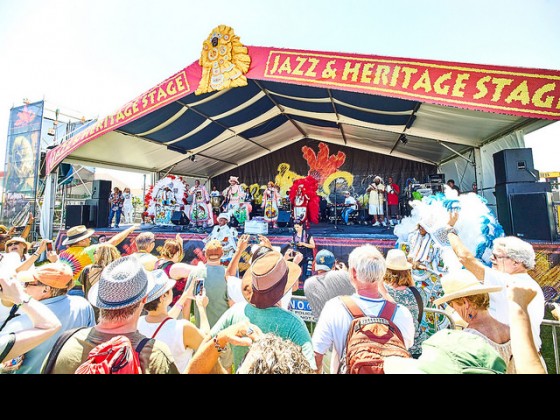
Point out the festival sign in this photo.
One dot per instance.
(508, 90)
(173, 88)
(524, 92)
(22, 162)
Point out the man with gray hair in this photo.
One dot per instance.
(145, 244)
(511, 259)
(366, 266)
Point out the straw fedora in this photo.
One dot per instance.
(19, 240)
(271, 277)
(396, 260)
(76, 234)
(123, 283)
(162, 284)
(461, 283)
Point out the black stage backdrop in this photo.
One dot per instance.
(354, 169)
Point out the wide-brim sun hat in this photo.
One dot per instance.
(462, 283)
(224, 216)
(396, 260)
(162, 284)
(123, 283)
(271, 277)
(18, 240)
(76, 234)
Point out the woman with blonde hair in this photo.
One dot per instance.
(103, 255)
(400, 286)
(471, 300)
(128, 208)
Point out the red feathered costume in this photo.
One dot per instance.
(305, 201)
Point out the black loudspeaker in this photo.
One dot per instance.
(99, 213)
(503, 193)
(514, 165)
(179, 218)
(101, 189)
(283, 218)
(77, 215)
(532, 216)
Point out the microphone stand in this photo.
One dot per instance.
(335, 200)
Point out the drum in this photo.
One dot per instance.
(216, 202)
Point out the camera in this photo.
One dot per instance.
(198, 286)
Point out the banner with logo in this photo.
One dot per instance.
(22, 162)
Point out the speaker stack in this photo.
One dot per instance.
(77, 215)
(99, 203)
(524, 205)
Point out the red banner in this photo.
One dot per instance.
(508, 90)
(175, 87)
(517, 91)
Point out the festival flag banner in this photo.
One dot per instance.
(22, 162)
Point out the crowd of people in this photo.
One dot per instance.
(53, 314)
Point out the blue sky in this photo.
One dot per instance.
(93, 57)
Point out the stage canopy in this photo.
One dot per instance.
(422, 110)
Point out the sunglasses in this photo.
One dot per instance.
(28, 283)
(498, 257)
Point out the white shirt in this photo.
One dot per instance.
(171, 333)
(499, 308)
(334, 322)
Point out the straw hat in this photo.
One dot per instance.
(461, 283)
(76, 234)
(123, 283)
(271, 277)
(19, 240)
(396, 260)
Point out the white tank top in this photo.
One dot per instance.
(171, 334)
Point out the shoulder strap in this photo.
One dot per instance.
(351, 306)
(388, 312)
(142, 343)
(9, 345)
(159, 326)
(419, 302)
(13, 313)
(53, 355)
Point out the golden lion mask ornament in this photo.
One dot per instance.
(224, 61)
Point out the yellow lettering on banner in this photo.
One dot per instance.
(354, 70)
(144, 101)
(438, 88)
(366, 73)
(459, 85)
(395, 76)
(537, 97)
(311, 71)
(424, 82)
(128, 111)
(297, 71)
(151, 97)
(286, 66)
(408, 72)
(275, 64)
(170, 88)
(381, 73)
(120, 116)
(161, 94)
(180, 85)
(329, 72)
(481, 86)
(500, 83)
(520, 93)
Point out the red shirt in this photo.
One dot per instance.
(393, 196)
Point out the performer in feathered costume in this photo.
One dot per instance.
(423, 237)
(305, 201)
